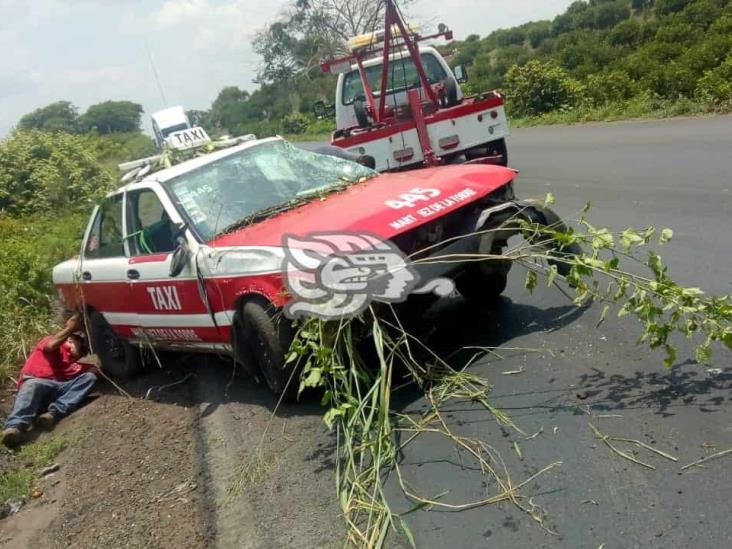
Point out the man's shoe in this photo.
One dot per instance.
(12, 437)
(46, 421)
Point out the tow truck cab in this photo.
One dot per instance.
(402, 77)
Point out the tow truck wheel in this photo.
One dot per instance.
(119, 358)
(498, 147)
(483, 283)
(266, 336)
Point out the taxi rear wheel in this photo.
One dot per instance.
(266, 337)
(119, 358)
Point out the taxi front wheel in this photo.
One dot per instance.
(267, 335)
(119, 358)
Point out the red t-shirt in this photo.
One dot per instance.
(57, 365)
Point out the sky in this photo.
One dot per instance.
(87, 51)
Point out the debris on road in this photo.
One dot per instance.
(607, 438)
(48, 470)
(705, 459)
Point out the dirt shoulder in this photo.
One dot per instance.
(193, 458)
(128, 478)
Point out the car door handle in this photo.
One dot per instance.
(132, 274)
(86, 275)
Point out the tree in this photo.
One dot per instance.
(610, 14)
(61, 116)
(230, 109)
(538, 32)
(112, 117)
(43, 173)
(537, 87)
(664, 7)
(625, 33)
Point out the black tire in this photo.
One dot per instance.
(498, 147)
(119, 358)
(481, 289)
(265, 337)
(483, 283)
(551, 219)
(362, 117)
(451, 93)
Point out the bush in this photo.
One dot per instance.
(626, 33)
(610, 14)
(31, 247)
(295, 123)
(536, 88)
(48, 173)
(664, 7)
(716, 85)
(538, 32)
(608, 87)
(672, 80)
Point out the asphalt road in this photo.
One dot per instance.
(675, 173)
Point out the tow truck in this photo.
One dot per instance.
(399, 102)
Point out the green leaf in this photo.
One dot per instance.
(605, 309)
(549, 199)
(665, 236)
(407, 532)
(603, 239)
(670, 359)
(530, 280)
(313, 378)
(655, 264)
(625, 309)
(629, 238)
(727, 338)
(704, 353)
(552, 275)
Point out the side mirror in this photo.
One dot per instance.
(319, 110)
(181, 255)
(461, 73)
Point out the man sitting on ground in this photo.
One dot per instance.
(51, 382)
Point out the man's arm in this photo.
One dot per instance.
(73, 324)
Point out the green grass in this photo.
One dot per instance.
(17, 483)
(635, 108)
(42, 454)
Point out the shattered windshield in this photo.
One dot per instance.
(257, 182)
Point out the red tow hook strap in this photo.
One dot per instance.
(415, 103)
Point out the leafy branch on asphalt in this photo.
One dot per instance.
(358, 362)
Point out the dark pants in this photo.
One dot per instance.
(38, 395)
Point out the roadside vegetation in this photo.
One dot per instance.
(17, 482)
(358, 362)
(49, 181)
(599, 60)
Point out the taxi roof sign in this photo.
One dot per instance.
(189, 138)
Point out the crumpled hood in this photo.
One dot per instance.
(384, 206)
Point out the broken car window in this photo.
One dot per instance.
(150, 230)
(105, 239)
(259, 178)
